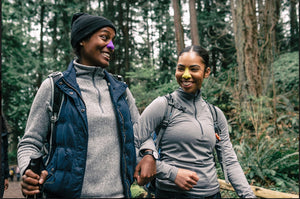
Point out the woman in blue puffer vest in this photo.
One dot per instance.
(93, 152)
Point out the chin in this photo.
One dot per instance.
(104, 65)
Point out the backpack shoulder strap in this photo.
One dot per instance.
(167, 117)
(217, 129)
(57, 98)
(165, 122)
(214, 114)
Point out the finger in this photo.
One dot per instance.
(137, 171)
(188, 186)
(29, 180)
(139, 181)
(28, 189)
(192, 181)
(26, 192)
(43, 177)
(195, 177)
(31, 174)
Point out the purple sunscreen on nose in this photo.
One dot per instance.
(111, 45)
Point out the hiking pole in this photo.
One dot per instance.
(36, 165)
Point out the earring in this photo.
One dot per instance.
(81, 44)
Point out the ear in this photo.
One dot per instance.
(207, 72)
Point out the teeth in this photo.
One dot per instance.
(186, 83)
(106, 54)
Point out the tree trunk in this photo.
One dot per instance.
(245, 28)
(41, 49)
(193, 23)
(127, 43)
(238, 26)
(54, 34)
(294, 42)
(269, 46)
(178, 26)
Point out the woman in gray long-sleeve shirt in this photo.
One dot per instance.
(186, 168)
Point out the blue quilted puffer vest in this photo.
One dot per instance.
(67, 165)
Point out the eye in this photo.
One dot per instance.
(180, 68)
(194, 68)
(104, 37)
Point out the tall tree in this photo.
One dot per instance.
(269, 47)
(294, 41)
(179, 37)
(41, 48)
(246, 41)
(215, 33)
(193, 22)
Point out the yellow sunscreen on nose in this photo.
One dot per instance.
(186, 74)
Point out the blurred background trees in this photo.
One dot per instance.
(254, 57)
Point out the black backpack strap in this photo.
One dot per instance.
(165, 122)
(214, 114)
(217, 129)
(167, 118)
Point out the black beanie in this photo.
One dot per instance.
(84, 24)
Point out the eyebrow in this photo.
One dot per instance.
(189, 66)
(106, 31)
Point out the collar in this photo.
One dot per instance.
(87, 70)
(189, 96)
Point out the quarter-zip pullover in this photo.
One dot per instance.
(103, 135)
(188, 143)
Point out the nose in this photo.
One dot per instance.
(111, 45)
(186, 74)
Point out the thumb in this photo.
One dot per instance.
(43, 176)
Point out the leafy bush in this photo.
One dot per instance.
(286, 75)
(268, 161)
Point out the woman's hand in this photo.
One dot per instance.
(6, 183)
(145, 170)
(186, 179)
(31, 181)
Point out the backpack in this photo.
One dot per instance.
(159, 131)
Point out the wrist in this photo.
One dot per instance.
(149, 152)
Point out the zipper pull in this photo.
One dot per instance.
(218, 137)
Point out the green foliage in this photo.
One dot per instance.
(137, 191)
(268, 161)
(286, 74)
(12, 157)
(146, 87)
(218, 90)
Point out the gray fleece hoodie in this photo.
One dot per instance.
(188, 143)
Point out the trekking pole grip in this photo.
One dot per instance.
(36, 165)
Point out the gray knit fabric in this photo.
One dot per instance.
(103, 175)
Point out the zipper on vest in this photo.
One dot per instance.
(123, 154)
